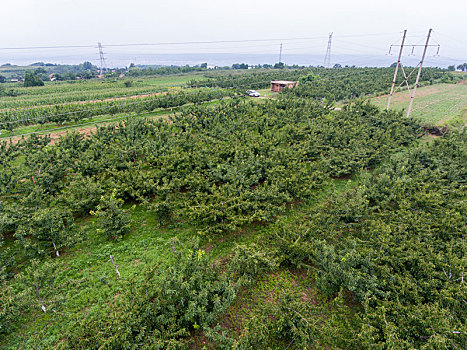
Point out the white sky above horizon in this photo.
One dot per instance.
(359, 26)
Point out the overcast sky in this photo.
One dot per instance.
(359, 26)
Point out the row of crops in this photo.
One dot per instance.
(32, 101)
(76, 86)
(362, 83)
(62, 113)
(334, 84)
(96, 89)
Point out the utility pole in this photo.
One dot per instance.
(327, 58)
(397, 68)
(407, 76)
(419, 72)
(280, 54)
(102, 58)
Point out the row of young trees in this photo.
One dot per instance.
(320, 83)
(350, 83)
(462, 67)
(60, 113)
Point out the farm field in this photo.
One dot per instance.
(88, 125)
(236, 222)
(88, 90)
(436, 104)
(63, 102)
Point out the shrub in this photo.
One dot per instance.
(114, 221)
(46, 231)
(160, 311)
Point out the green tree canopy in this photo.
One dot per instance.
(30, 79)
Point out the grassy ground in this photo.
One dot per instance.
(267, 92)
(436, 104)
(89, 280)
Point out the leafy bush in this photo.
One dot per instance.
(161, 311)
(250, 261)
(113, 220)
(46, 231)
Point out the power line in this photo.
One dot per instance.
(158, 44)
(452, 38)
(358, 44)
(406, 77)
(185, 42)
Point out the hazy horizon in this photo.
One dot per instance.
(227, 59)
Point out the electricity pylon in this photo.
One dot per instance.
(280, 54)
(327, 58)
(406, 77)
(102, 58)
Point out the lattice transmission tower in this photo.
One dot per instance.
(327, 58)
(280, 54)
(102, 58)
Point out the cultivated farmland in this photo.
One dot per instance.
(434, 104)
(233, 222)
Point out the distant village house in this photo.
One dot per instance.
(278, 85)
